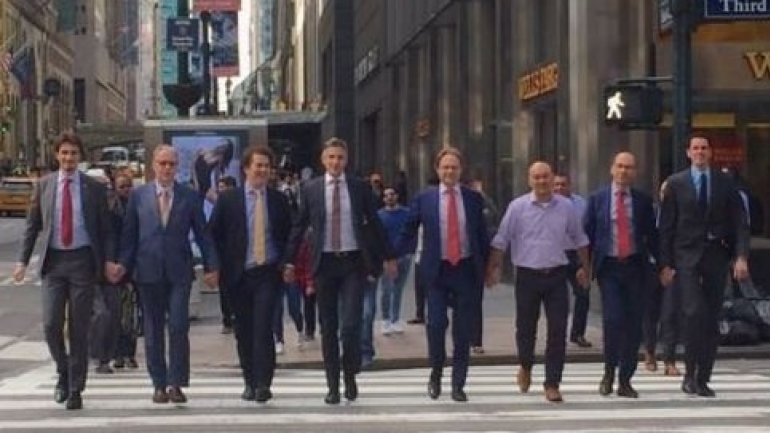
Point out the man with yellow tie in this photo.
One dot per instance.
(250, 226)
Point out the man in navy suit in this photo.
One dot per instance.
(155, 246)
(620, 224)
(348, 243)
(250, 226)
(455, 250)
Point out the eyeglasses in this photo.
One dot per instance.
(123, 186)
(166, 163)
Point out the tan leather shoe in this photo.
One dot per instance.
(524, 379)
(650, 364)
(671, 370)
(553, 395)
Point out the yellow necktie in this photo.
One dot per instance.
(258, 230)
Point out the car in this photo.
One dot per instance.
(16, 194)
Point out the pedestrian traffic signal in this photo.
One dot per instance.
(633, 106)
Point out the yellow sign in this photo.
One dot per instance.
(539, 82)
(759, 64)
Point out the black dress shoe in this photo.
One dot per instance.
(160, 396)
(60, 394)
(351, 388)
(688, 386)
(415, 321)
(332, 397)
(605, 386)
(176, 395)
(263, 395)
(626, 390)
(459, 395)
(74, 401)
(434, 386)
(248, 394)
(703, 390)
(581, 342)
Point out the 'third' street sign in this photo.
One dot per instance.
(736, 10)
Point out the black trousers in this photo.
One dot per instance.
(702, 289)
(224, 305)
(582, 298)
(419, 294)
(253, 304)
(549, 288)
(339, 289)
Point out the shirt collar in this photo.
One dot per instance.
(328, 178)
(552, 201)
(74, 178)
(248, 188)
(442, 188)
(160, 188)
(616, 188)
(697, 172)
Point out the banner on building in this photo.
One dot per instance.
(23, 68)
(182, 34)
(224, 44)
(216, 5)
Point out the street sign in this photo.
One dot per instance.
(633, 106)
(732, 10)
(182, 34)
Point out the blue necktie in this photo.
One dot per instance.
(703, 193)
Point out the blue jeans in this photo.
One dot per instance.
(367, 319)
(293, 295)
(392, 288)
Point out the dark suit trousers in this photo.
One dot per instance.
(702, 293)
(534, 288)
(455, 287)
(105, 323)
(68, 284)
(224, 305)
(340, 287)
(622, 285)
(159, 300)
(253, 303)
(419, 294)
(582, 298)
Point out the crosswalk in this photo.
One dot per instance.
(392, 400)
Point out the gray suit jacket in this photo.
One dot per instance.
(95, 212)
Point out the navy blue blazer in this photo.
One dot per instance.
(228, 228)
(155, 253)
(424, 210)
(598, 225)
(367, 228)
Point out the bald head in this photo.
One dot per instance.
(623, 169)
(541, 180)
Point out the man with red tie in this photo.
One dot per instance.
(77, 248)
(620, 224)
(455, 249)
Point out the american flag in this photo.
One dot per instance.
(6, 59)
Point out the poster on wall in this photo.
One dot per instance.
(216, 5)
(224, 43)
(206, 156)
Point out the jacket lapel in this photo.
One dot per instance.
(50, 197)
(86, 202)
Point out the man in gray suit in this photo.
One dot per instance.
(77, 247)
(703, 229)
(155, 246)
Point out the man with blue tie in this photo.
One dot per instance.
(250, 226)
(155, 246)
(455, 250)
(78, 249)
(703, 228)
(620, 224)
(347, 243)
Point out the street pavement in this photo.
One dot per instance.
(394, 400)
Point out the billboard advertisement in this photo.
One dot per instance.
(206, 156)
(224, 44)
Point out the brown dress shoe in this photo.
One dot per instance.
(553, 395)
(176, 395)
(524, 379)
(650, 364)
(671, 370)
(160, 396)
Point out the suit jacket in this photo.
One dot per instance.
(96, 216)
(155, 253)
(597, 222)
(367, 227)
(685, 230)
(228, 227)
(424, 210)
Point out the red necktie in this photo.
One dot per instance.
(623, 226)
(65, 229)
(453, 229)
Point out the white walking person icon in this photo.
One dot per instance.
(614, 105)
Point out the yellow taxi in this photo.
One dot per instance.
(16, 194)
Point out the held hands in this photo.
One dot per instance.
(583, 277)
(114, 272)
(741, 269)
(19, 272)
(211, 279)
(390, 267)
(493, 276)
(289, 275)
(667, 276)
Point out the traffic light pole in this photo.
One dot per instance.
(683, 13)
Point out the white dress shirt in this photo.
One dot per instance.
(443, 198)
(348, 238)
(79, 233)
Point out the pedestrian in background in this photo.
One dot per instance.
(393, 217)
(225, 183)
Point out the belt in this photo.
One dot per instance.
(542, 271)
(633, 258)
(80, 250)
(342, 254)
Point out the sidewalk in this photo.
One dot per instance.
(211, 348)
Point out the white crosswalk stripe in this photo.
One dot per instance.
(122, 401)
